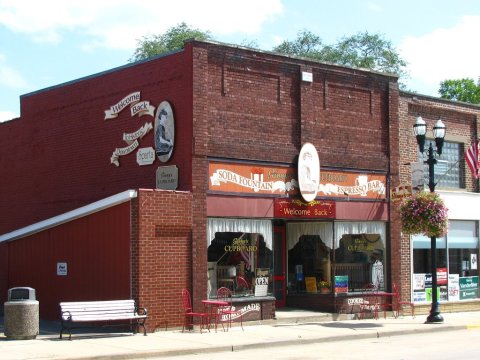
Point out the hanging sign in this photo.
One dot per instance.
(296, 208)
(308, 172)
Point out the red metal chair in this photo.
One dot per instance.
(228, 312)
(370, 302)
(241, 284)
(398, 305)
(190, 315)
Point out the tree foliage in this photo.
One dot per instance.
(460, 90)
(172, 39)
(363, 50)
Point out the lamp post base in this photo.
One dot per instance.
(434, 317)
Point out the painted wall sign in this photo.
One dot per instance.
(308, 172)
(145, 156)
(164, 131)
(295, 208)
(140, 133)
(142, 108)
(132, 139)
(123, 151)
(275, 180)
(243, 178)
(122, 104)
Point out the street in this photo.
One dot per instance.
(441, 345)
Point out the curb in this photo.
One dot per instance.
(256, 345)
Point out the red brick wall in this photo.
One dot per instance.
(161, 254)
(259, 109)
(56, 157)
(462, 121)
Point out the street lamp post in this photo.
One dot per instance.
(439, 130)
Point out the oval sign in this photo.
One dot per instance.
(164, 131)
(308, 172)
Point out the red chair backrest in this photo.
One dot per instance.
(242, 282)
(224, 294)
(395, 290)
(187, 303)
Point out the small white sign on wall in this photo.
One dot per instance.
(145, 156)
(62, 269)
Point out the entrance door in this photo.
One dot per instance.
(279, 264)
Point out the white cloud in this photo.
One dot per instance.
(446, 53)
(7, 115)
(9, 76)
(374, 7)
(119, 23)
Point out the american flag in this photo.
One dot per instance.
(471, 157)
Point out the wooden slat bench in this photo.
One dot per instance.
(92, 312)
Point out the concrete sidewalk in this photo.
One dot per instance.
(292, 327)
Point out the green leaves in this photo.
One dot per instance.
(171, 40)
(460, 90)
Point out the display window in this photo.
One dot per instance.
(240, 257)
(360, 251)
(457, 269)
(355, 262)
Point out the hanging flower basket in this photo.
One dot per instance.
(424, 213)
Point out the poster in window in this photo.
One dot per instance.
(473, 261)
(311, 284)
(261, 281)
(418, 282)
(341, 284)
(453, 287)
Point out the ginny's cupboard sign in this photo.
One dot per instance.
(275, 180)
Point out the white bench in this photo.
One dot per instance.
(91, 312)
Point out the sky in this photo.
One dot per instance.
(50, 42)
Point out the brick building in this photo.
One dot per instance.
(182, 172)
(457, 252)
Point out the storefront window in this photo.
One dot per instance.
(449, 172)
(240, 257)
(309, 257)
(360, 254)
(457, 270)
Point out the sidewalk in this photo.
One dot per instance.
(290, 327)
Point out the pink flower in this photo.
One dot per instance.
(424, 213)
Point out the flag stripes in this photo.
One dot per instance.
(471, 157)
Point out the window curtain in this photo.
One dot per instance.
(263, 227)
(359, 227)
(323, 229)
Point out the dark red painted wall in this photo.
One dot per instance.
(56, 157)
(96, 249)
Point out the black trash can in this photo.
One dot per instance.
(21, 315)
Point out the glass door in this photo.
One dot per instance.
(279, 260)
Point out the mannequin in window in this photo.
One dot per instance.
(377, 268)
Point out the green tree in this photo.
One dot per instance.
(460, 90)
(363, 50)
(172, 39)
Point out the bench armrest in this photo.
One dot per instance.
(142, 311)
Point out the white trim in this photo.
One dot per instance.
(69, 216)
(461, 205)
